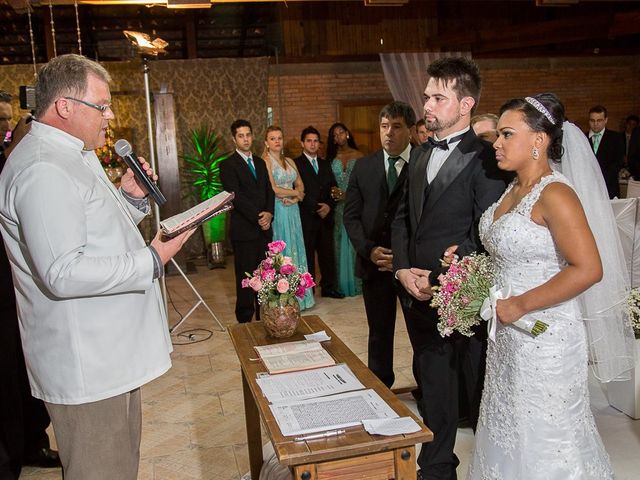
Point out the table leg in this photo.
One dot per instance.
(254, 438)
(405, 463)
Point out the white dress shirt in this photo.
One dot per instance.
(404, 159)
(92, 320)
(439, 156)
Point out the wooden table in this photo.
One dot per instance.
(356, 454)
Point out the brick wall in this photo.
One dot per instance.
(311, 93)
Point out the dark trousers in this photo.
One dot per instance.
(318, 237)
(439, 363)
(23, 419)
(380, 301)
(246, 258)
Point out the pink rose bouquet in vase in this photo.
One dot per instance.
(279, 284)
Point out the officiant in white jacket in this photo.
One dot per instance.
(92, 320)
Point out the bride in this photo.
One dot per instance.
(554, 242)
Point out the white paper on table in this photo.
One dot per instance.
(391, 426)
(320, 336)
(328, 413)
(308, 383)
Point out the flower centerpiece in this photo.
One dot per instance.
(633, 310)
(467, 294)
(109, 159)
(279, 284)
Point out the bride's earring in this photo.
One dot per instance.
(535, 153)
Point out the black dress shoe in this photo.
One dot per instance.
(332, 294)
(419, 475)
(43, 458)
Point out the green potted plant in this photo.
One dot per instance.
(202, 173)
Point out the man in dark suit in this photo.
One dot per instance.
(609, 147)
(246, 175)
(452, 179)
(375, 189)
(316, 211)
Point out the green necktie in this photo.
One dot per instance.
(392, 173)
(252, 167)
(595, 139)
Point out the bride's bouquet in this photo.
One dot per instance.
(467, 294)
(463, 289)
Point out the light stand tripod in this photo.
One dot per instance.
(156, 210)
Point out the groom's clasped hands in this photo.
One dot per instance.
(416, 282)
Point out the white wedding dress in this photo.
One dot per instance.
(535, 420)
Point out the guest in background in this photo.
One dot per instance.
(343, 153)
(485, 126)
(630, 124)
(250, 227)
(289, 190)
(422, 132)
(23, 418)
(375, 189)
(608, 147)
(316, 211)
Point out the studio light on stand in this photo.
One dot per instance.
(148, 50)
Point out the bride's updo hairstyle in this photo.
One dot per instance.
(542, 113)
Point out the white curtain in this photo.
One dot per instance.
(406, 75)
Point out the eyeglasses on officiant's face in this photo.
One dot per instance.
(101, 108)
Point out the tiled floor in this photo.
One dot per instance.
(193, 424)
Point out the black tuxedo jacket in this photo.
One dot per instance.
(633, 156)
(610, 156)
(252, 196)
(432, 217)
(370, 209)
(317, 189)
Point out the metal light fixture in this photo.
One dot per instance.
(144, 44)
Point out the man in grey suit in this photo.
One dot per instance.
(451, 180)
(92, 320)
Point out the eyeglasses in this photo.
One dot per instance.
(101, 108)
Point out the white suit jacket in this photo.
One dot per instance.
(91, 316)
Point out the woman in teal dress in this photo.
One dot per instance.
(289, 190)
(343, 152)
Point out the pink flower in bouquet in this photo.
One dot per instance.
(255, 283)
(306, 280)
(245, 283)
(287, 269)
(277, 246)
(300, 291)
(267, 263)
(269, 274)
(287, 261)
(283, 286)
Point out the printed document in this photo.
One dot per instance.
(309, 383)
(327, 413)
(294, 356)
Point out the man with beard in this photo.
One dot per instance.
(451, 180)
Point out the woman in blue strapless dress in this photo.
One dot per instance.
(343, 153)
(289, 190)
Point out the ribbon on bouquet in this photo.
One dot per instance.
(488, 313)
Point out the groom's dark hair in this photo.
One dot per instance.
(462, 73)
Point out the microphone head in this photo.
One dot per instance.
(122, 147)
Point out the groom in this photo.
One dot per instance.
(451, 180)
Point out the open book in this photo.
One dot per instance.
(294, 356)
(193, 217)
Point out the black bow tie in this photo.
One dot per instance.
(444, 144)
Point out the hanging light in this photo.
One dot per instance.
(144, 44)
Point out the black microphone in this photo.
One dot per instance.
(123, 148)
